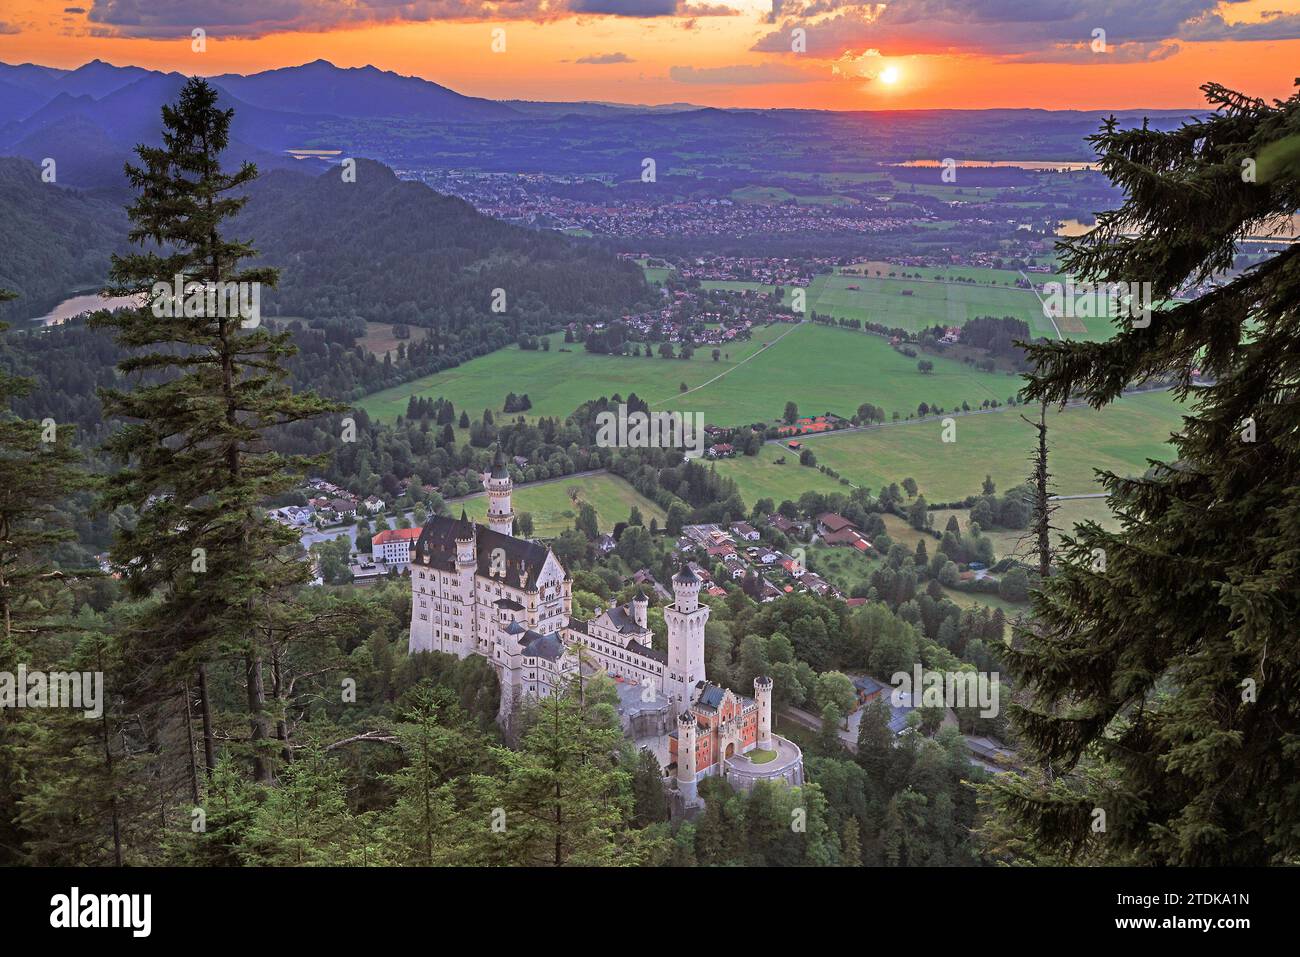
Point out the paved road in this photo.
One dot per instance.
(1047, 312)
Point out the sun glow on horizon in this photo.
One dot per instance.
(890, 75)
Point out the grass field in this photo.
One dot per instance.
(916, 304)
(988, 276)
(1017, 543)
(842, 567)
(379, 338)
(553, 509)
(759, 476)
(822, 369)
(1119, 438)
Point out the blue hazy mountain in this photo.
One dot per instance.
(364, 92)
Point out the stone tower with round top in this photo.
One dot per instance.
(763, 697)
(686, 756)
(500, 516)
(685, 619)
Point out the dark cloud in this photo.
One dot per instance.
(170, 18)
(604, 58)
(74, 9)
(625, 8)
(1276, 25)
(1044, 30)
(706, 10)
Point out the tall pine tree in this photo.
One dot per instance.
(197, 464)
(1164, 679)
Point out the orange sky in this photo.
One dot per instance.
(995, 60)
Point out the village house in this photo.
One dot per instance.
(393, 546)
(783, 525)
(744, 531)
(828, 522)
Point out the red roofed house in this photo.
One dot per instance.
(830, 522)
(393, 546)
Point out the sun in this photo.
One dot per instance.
(889, 75)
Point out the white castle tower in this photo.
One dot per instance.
(500, 516)
(686, 756)
(685, 619)
(466, 566)
(763, 696)
(641, 609)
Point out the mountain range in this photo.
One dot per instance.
(89, 120)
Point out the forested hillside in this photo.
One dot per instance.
(55, 241)
(388, 250)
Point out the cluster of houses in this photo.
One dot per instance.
(762, 269)
(827, 422)
(835, 529)
(738, 551)
(719, 438)
(689, 316)
(327, 504)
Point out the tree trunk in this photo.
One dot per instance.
(281, 722)
(205, 712)
(108, 766)
(189, 736)
(257, 718)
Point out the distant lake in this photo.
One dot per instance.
(313, 154)
(1052, 165)
(77, 305)
(1280, 231)
(1072, 227)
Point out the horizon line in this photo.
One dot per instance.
(685, 106)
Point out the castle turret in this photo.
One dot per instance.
(763, 697)
(501, 516)
(463, 591)
(686, 756)
(685, 619)
(686, 589)
(641, 609)
(463, 533)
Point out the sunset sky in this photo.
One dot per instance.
(1054, 54)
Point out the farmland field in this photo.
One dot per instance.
(1119, 438)
(822, 369)
(553, 510)
(759, 476)
(1016, 542)
(988, 276)
(916, 304)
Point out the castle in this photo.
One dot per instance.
(479, 590)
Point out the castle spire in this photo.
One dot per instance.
(501, 517)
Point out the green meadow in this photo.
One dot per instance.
(1019, 542)
(1119, 438)
(821, 369)
(554, 505)
(916, 304)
